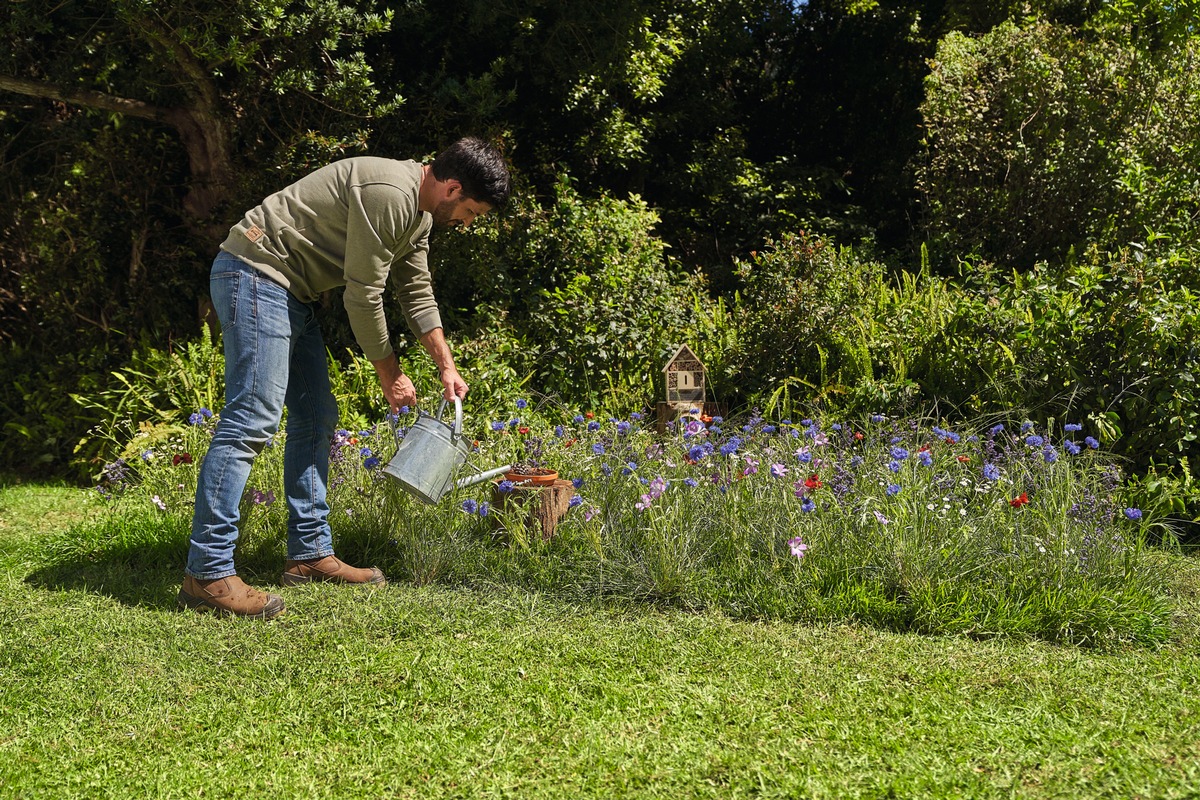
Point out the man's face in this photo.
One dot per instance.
(461, 211)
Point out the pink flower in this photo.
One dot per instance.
(798, 547)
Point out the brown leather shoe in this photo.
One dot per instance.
(228, 597)
(331, 569)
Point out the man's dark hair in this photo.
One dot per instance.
(478, 166)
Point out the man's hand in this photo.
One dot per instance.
(397, 387)
(454, 384)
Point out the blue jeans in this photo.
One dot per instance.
(274, 357)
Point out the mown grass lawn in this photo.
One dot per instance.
(107, 691)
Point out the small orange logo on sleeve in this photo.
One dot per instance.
(254, 233)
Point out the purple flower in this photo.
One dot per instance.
(691, 482)
(807, 505)
(195, 418)
(577, 483)
(623, 428)
(893, 489)
(484, 508)
(371, 463)
(1071, 447)
(991, 472)
(591, 512)
(593, 426)
(1092, 443)
(577, 419)
(899, 453)
(497, 425)
(1071, 427)
(158, 502)
(925, 457)
(1133, 513)
(894, 466)
(1050, 454)
(598, 448)
(881, 519)
(797, 546)
(504, 487)
(522, 403)
(575, 500)
(1034, 440)
(559, 431)
(470, 506)
(778, 470)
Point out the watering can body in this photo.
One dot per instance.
(428, 455)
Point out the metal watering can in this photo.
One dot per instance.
(430, 452)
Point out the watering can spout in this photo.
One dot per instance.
(462, 483)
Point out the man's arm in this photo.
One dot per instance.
(439, 350)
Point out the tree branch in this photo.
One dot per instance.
(85, 97)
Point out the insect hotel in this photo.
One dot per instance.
(685, 389)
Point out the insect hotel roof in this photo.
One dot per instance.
(684, 378)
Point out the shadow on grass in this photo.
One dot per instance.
(138, 562)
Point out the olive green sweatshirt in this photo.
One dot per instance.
(352, 223)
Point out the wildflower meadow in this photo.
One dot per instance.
(1002, 528)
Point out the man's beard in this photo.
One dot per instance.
(443, 214)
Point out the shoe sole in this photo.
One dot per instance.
(290, 579)
(185, 602)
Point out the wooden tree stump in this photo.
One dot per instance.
(543, 505)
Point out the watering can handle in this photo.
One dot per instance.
(457, 429)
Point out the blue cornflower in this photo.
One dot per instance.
(514, 422)
(470, 506)
(371, 462)
(593, 426)
(623, 427)
(204, 412)
(365, 452)
(635, 416)
(1071, 427)
(730, 447)
(718, 420)
(1050, 454)
(1133, 513)
(1092, 443)
(893, 489)
(522, 403)
(195, 418)
(629, 468)
(598, 448)
(855, 461)
(1071, 447)
(1033, 440)
(899, 453)
(404, 409)
(877, 418)
(925, 457)
(505, 486)
(807, 505)
(1025, 426)
(894, 466)
(768, 429)
(991, 472)
(484, 508)
(560, 431)
(837, 426)
(691, 482)
(578, 418)
(996, 429)
(697, 452)
(575, 500)
(606, 469)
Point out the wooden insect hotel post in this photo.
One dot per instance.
(685, 389)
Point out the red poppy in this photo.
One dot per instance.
(949, 440)
(522, 429)
(569, 442)
(858, 435)
(705, 418)
(1019, 500)
(813, 482)
(923, 448)
(181, 458)
(964, 459)
(590, 415)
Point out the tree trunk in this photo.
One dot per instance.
(201, 132)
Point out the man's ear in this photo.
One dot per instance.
(453, 190)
